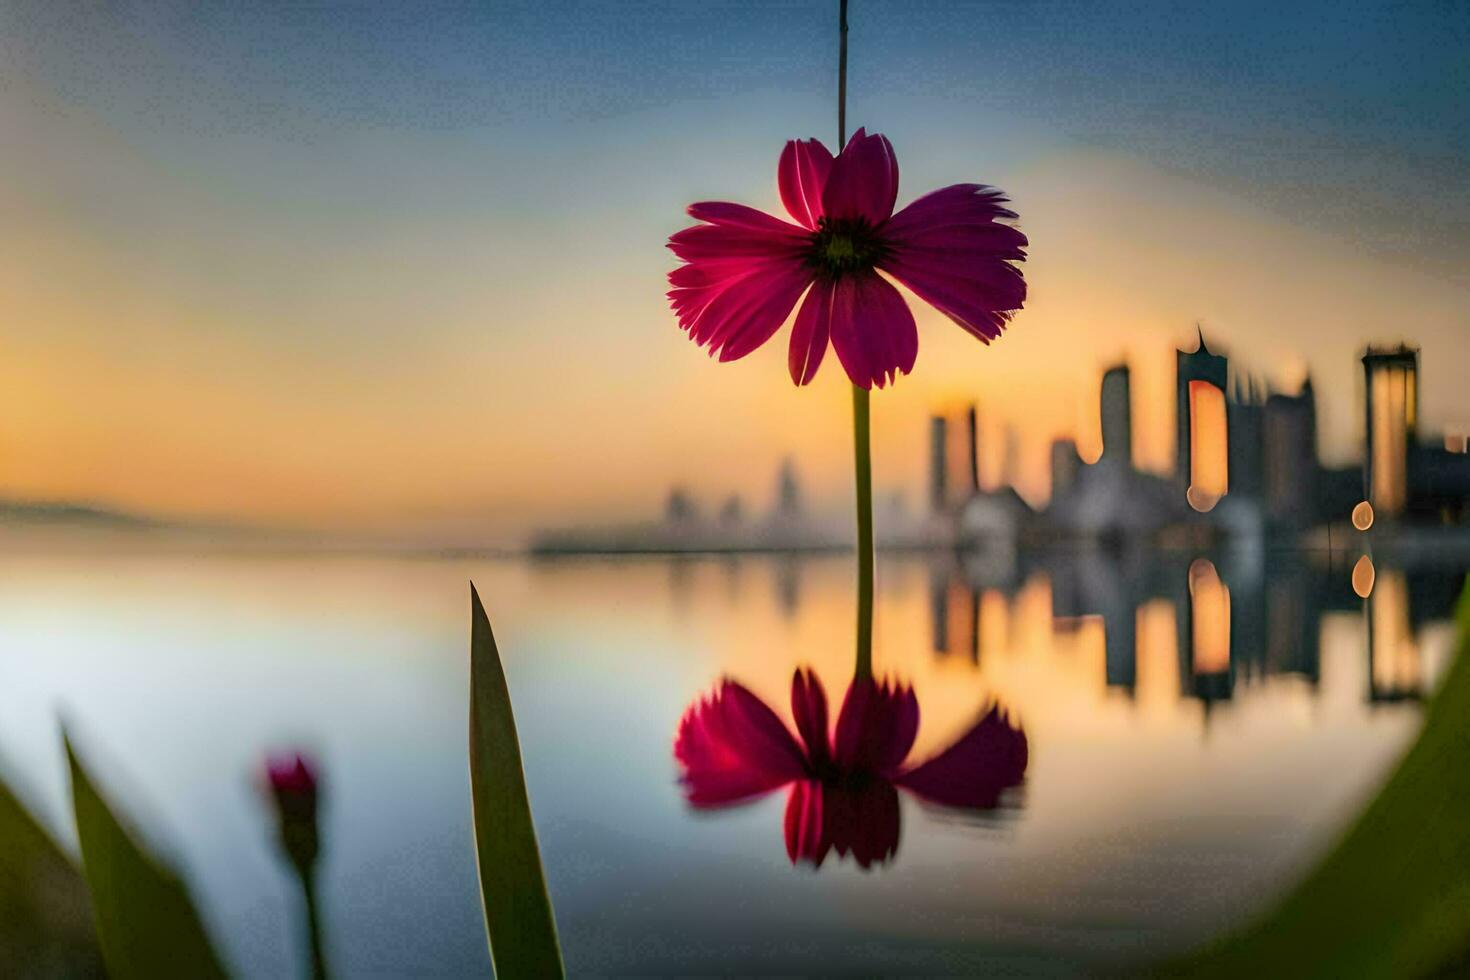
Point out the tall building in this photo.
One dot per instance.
(964, 455)
(1243, 416)
(1289, 457)
(1117, 415)
(938, 463)
(1391, 387)
(1201, 466)
(679, 507)
(788, 491)
(1066, 464)
(954, 459)
(732, 512)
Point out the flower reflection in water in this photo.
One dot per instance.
(732, 748)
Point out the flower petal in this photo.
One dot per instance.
(863, 821)
(989, 758)
(801, 175)
(955, 204)
(724, 242)
(872, 330)
(810, 333)
(729, 215)
(698, 284)
(806, 831)
(736, 236)
(864, 180)
(733, 311)
(950, 248)
(756, 310)
(876, 727)
(809, 708)
(732, 747)
(745, 272)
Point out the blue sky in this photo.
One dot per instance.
(1348, 114)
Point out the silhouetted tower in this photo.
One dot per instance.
(1010, 460)
(1117, 416)
(1289, 456)
(680, 507)
(732, 512)
(1244, 414)
(1065, 466)
(1201, 463)
(938, 462)
(954, 459)
(788, 491)
(1391, 386)
(964, 456)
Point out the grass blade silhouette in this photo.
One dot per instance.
(45, 915)
(518, 917)
(1393, 898)
(146, 923)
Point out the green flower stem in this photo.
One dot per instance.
(314, 926)
(863, 478)
(862, 453)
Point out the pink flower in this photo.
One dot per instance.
(733, 748)
(289, 775)
(291, 784)
(744, 270)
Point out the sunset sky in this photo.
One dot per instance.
(401, 267)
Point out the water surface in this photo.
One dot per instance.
(1192, 751)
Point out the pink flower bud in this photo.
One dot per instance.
(289, 775)
(290, 783)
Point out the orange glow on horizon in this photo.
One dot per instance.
(400, 388)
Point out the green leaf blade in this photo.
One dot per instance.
(518, 916)
(1393, 898)
(146, 923)
(45, 914)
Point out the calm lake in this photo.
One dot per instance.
(1198, 737)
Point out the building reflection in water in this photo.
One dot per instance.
(954, 615)
(1395, 671)
(788, 585)
(1208, 637)
(1230, 619)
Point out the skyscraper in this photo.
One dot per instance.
(954, 461)
(1391, 387)
(788, 491)
(1201, 467)
(1117, 416)
(938, 463)
(1066, 464)
(1289, 457)
(1244, 417)
(964, 455)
